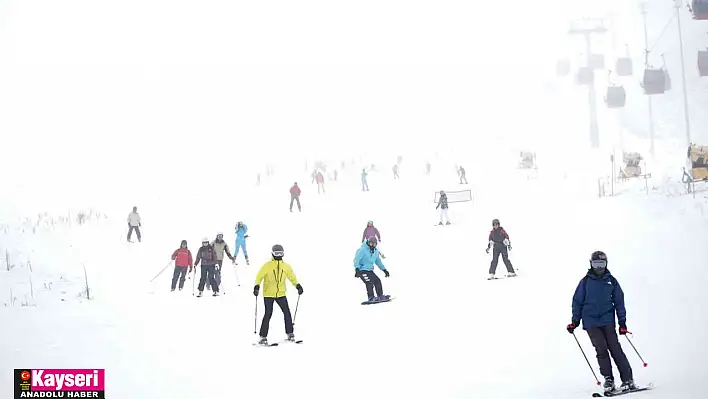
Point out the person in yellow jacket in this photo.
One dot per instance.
(273, 275)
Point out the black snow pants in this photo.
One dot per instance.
(217, 275)
(208, 272)
(283, 303)
(180, 274)
(500, 249)
(130, 232)
(372, 282)
(604, 339)
(295, 198)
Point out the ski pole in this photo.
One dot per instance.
(255, 317)
(161, 271)
(194, 280)
(635, 350)
(221, 283)
(586, 359)
(296, 306)
(236, 272)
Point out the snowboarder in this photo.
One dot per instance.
(364, 182)
(320, 182)
(183, 260)
(366, 257)
(207, 256)
(597, 298)
(462, 173)
(134, 223)
(442, 205)
(220, 246)
(370, 231)
(273, 275)
(295, 197)
(395, 172)
(499, 242)
(241, 235)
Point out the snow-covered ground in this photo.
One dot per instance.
(449, 333)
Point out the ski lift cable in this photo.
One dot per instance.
(662, 34)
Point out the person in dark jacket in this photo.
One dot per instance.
(295, 197)
(596, 300)
(499, 241)
(442, 205)
(207, 256)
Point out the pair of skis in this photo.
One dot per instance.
(278, 343)
(618, 392)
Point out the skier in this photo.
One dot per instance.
(134, 223)
(183, 260)
(320, 182)
(370, 231)
(499, 240)
(596, 300)
(273, 275)
(442, 205)
(241, 235)
(295, 197)
(366, 257)
(395, 172)
(207, 255)
(462, 173)
(427, 168)
(364, 182)
(220, 246)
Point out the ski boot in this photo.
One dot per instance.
(448, 223)
(216, 293)
(263, 341)
(440, 224)
(172, 290)
(199, 295)
(609, 384)
(291, 337)
(491, 276)
(383, 298)
(628, 386)
(512, 274)
(247, 263)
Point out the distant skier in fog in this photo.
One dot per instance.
(427, 168)
(364, 182)
(461, 172)
(320, 182)
(395, 172)
(295, 197)
(134, 223)
(241, 235)
(442, 206)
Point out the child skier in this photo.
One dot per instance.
(183, 260)
(220, 246)
(370, 231)
(366, 256)
(442, 205)
(499, 239)
(596, 300)
(207, 256)
(273, 275)
(241, 235)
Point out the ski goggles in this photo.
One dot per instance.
(278, 253)
(598, 264)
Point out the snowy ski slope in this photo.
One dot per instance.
(449, 334)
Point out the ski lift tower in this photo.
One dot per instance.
(587, 27)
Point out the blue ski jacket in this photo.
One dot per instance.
(597, 299)
(241, 233)
(365, 259)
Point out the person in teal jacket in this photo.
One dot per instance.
(366, 257)
(241, 235)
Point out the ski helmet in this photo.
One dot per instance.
(372, 240)
(277, 251)
(495, 222)
(598, 260)
(219, 235)
(205, 240)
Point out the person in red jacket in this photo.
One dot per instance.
(295, 197)
(320, 182)
(183, 260)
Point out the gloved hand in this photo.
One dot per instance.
(509, 247)
(386, 273)
(299, 289)
(256, 288)
(233, 261)
(357, 273)
(623, 329)
(246, 236)
(572, 326)
(216, 268)
(487, 250)
(190, 269)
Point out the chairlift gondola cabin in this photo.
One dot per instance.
(700, 9)
(654, 81)
(624, 66)
(667, 80)
(703, 63)
(597, 61)
(586, 76)
(616, 97)
(563, 68)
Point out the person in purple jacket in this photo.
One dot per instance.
(370, 231)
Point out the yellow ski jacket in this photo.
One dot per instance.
(273, 275)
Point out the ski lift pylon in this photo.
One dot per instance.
(703, 63)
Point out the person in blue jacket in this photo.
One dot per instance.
(241, 235)
(366, 257)
(596, 300)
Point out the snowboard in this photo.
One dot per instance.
(618, 392)
(375, 302)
